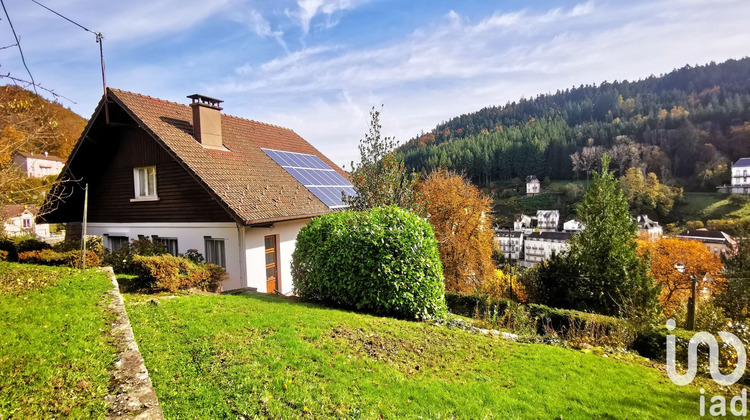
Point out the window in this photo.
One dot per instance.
(215, 251)
(170, 244)
(27, 223)
(117, 242)
(145, 182)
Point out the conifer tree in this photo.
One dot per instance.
(613, 279)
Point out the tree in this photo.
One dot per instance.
(676, 287)
(28, 123)
(736, 298)
(460, 215)
(647, 194)
(614, 280)
(587, 159)
(380, 177)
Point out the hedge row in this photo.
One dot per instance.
(383, 261)
(545, 319)
(71, 259)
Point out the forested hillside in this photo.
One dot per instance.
(685, 126)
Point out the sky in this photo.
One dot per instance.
(319, 66)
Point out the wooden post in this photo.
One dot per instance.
(85, 221)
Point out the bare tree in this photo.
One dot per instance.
(587, 159)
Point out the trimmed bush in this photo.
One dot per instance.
(3, 255)
(384, 260)
(68, 259)
(475, 305)
(166, 272)
(7, 245)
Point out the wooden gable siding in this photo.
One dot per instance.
(181, 198)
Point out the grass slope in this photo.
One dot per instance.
(265, 356)
(55, 353)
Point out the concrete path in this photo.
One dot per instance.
(133, 395)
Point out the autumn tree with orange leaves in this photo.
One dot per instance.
(460, 215)
(675, 286)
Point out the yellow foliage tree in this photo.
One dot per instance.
(505, 285)
(460, 215)
(676, 286)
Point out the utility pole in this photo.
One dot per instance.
(83, 231)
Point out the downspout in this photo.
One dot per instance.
(243, 255)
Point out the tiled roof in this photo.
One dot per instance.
(742, 162)
(41, 157)
(15, 210)
(254, 187)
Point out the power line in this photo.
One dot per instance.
(68, 19)
(18, 44)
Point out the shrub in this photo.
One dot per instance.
(194, 256)
(93, 244)
(384, 260)
(31, 244)
(3, 255)
(739, 200)
(7, 245)
(121, 260)
(170, 273)
(69, 259)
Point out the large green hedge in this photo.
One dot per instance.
(384, 260)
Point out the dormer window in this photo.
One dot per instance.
(144, 180)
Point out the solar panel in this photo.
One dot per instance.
(322, 180)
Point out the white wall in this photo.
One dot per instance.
(256, 258)
(189, 236)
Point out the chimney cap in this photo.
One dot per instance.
(204, 100)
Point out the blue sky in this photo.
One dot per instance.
(318, 66)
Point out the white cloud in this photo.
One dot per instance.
(308, 9)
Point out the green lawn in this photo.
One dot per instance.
(704, 206)
(55, 353)
(265, 356)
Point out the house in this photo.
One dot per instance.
(548, 220)
(38, 166)
(539, 246)
(573, 225)
(523, 223)
(532, 186)
(510, 243)
(648, 229)
(19, 220)
(716, 241)
(740, 183)
(191, 177)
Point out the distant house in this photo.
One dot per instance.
(510, 243)
(716, 241)
(533, 187)
(548, 220)
(190, 177)
(38, 166)
(648, 229)
(572, 225)
(539, 246)
(740, 183)
(524, 223)
(19, 220)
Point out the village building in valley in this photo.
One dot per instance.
(237, 191)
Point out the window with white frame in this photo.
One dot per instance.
(215, 251)
(145, 182)
(27, 222)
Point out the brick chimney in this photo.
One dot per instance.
(206, 120)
